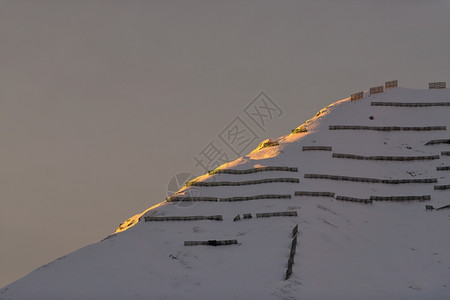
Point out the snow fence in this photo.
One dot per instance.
(184, 218)
(267, 196)
(434, 142)
(254, 170)
(314, 194)
(370, 180)
(238, 183)
(277, 214)
(292, 252)
(317, 148)
(211, 243)
(410, 104)
(351, 199)
(443, 168)
(230, 199)
(385, 128)
(442, 187)
(437, 85)
(194, 199)
(401, 198)
(387, 158)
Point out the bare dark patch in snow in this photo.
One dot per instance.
(328, 223)
(327, 210)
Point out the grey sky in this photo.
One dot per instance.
(102, 102)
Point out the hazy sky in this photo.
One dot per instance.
(103, 102)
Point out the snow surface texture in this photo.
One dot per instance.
(345, 250)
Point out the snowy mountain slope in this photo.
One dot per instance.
(345, 250)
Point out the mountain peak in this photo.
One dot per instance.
(343, 207)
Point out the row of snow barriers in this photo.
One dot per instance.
(219, 217)
(231, 199)
(277, 214)
(235, 242)
(215, 243)
(393, 84)
(430, 207)
(441, 168)
(442, 187)
(437, 85)
(267, 215)
(317, 148)
(239, 183)
(292, 253)
(267, 196)
(314, 194)
(410, 104)
(184, 218)
(386, 158)
(361, 200)
(374, 90)
(254, 170)
(370, 180)
(211, 243)
(436, 142)
(385, 128)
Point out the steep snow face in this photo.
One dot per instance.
(380, 242)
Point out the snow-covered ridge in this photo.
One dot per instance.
(358, 196)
